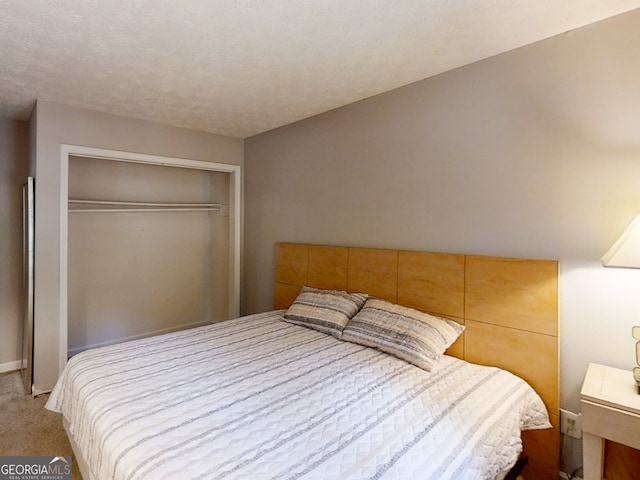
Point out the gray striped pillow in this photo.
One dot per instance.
(416, 337)
(327, 311)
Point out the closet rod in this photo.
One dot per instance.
(76, 201)
(113, 210)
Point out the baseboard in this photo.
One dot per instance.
(10, 366)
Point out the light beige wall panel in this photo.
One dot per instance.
(219, 265)
(129, 279)
(14, 168)
(220, 235)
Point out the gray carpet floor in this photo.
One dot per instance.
(26, 427)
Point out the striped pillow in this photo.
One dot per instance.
(327, 311)
(416, 337)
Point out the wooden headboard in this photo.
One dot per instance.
(509, 307)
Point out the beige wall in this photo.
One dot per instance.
(14, 157)
(533, 153)
(56, 125)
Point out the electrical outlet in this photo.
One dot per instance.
(571, 423)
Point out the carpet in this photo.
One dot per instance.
(26, 427)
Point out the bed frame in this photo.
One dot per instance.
(509, 307)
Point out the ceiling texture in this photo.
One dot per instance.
(240, 68)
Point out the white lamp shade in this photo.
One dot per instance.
(626, 251)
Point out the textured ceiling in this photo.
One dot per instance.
(243, 67)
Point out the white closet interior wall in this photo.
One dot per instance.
(140, 273)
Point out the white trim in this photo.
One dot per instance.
(10, 366)
(235, 172)
(234, 261)
(120, 156)
(63, 338)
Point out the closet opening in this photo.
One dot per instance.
(150, 245)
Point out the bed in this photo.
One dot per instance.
(259, 397)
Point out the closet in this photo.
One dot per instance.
(150, 249)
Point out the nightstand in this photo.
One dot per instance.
(610, 410)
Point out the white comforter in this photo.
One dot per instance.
(259, 398)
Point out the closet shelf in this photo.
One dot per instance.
(140, 206)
